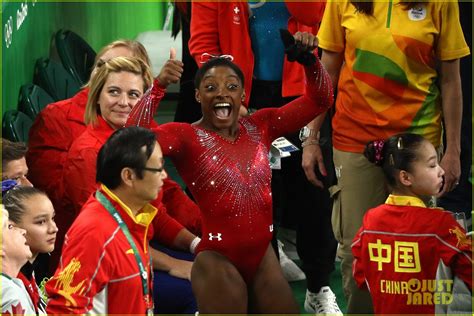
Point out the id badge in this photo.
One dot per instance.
(284, 146)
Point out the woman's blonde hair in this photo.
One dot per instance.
(119, 64)
(137, 49)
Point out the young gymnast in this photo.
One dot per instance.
(31, 210)
(224, 162)
(402, 243)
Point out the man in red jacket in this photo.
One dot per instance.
(106, 266)
(250, 33)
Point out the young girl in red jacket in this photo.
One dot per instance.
(403, 244)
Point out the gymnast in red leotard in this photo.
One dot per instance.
(224, 162)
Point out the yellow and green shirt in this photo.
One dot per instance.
(387, 83)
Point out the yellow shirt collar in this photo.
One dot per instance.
(404, 200)
(145, 215)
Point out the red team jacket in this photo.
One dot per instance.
(98, 271)
(397, 252)
(223, 28)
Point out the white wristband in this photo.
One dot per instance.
(194, 244)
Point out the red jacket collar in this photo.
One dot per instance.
(100, 131)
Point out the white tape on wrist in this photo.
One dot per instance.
(194, 244)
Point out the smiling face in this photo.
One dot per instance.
(38, 221)
(120, 93)
(426, 175)
(220, 94)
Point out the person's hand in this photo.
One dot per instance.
(181, 269)
(306, 40)
(299, 47)
(171, 71)
(313, 156)
(451, 165)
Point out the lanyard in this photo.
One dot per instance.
(143, 273)
(32, 290)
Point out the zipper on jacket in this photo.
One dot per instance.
(389, 14)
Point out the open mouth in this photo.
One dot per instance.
(222, 110)
(440, 186)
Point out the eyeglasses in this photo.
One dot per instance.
(155, 170)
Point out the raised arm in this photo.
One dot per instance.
(143, 112)
(317, 99)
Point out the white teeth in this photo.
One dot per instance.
(221, 105)
(222, 110)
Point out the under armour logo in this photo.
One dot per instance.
(271, 227)
(236, 10)
(218, 236)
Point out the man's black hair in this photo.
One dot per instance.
(124, 148)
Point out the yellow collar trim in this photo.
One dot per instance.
(145, 215)
(404, 200)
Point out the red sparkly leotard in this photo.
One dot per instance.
(230, 180)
